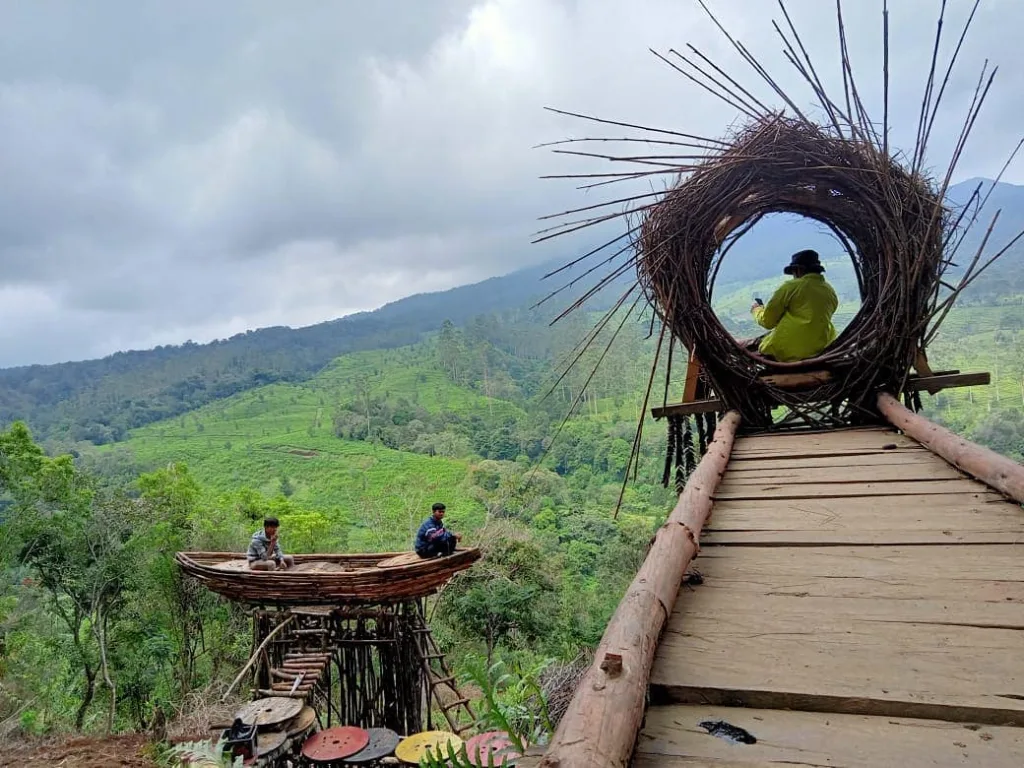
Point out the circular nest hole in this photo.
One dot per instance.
(892, 224)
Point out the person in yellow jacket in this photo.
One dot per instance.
(799, 314)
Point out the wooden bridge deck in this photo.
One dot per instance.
(862, 604)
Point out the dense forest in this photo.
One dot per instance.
(348, 432)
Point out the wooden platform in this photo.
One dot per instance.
(862, 605)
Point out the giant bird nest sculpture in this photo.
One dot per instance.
(892, 223)
(888, 214)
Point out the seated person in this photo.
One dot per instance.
(265, 552)
(799, 314)
(432, 539)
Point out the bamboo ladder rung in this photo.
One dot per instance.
(286, 694)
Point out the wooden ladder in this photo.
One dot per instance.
(439, 676)
(307, 657)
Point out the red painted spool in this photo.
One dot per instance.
(334, 744)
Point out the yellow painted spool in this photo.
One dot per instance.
(414, 748)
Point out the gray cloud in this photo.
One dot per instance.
(194, 169)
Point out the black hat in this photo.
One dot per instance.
(805, 260)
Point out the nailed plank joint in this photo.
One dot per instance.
(601, 725)
(993, 469)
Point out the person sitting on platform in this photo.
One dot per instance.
(264, 550)
(433, 539)
(799, 314)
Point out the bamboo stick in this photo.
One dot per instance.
(256, 655)
(600, 727)
(993, 469)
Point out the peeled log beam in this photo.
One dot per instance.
(601, 725)
(993, 469)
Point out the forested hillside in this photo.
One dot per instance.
(348, 431)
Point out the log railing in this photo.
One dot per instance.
(993, 469)
(601, 725)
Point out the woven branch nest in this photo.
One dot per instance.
(892, 223)
(326, 579)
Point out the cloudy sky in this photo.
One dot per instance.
(192, 169)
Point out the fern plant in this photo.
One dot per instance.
(203, 753)
(456, 758)
(521, 711)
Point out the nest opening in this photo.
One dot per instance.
(800, 232)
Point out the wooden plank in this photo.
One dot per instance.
(797, 381)
(875, 439)
(673, 737)
(798, 473)
(954, 572)
(933, 384)
(858, 459)
(823, 453)
(688, 409)
(879, 537)
(898, 509)
(801, 662)
(758, 492)
(931, 632)
(744, 605)
(982, 519)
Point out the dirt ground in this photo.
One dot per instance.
(115, 752)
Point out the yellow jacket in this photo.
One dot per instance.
(799, 318)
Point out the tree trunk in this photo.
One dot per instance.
(87, 696)
(101, 640)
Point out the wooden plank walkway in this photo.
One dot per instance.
(862, 604)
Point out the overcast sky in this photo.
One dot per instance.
(192, 169)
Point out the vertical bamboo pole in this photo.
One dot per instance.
(601, 725)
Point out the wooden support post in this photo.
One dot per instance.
(921, 364)
(692, 377)
(601, 725)
(993, 469)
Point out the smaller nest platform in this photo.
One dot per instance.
(326, 579)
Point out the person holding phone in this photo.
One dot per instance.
(265, 551)
(798, 316)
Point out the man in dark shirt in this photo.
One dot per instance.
(433, 539)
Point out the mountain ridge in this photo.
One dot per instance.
(99, 400)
